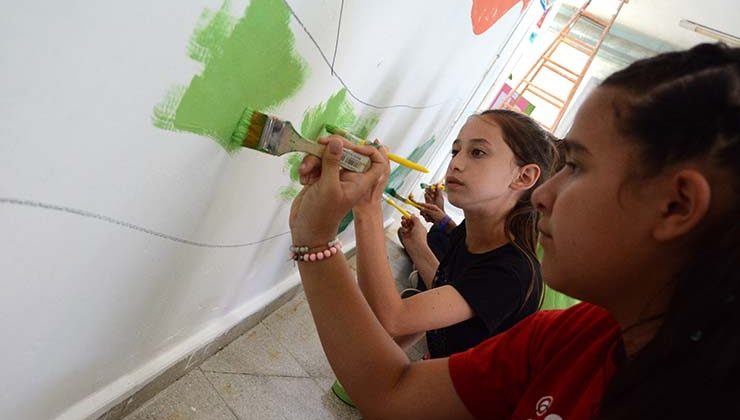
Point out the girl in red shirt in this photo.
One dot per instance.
(641, 225)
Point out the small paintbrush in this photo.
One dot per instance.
(440, 186)
(274, 136)
(396, 206)
(393, 193)
(358, 140)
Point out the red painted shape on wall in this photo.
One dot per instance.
(485, 13)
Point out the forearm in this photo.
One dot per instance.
(374, 274)
(426, 262)
(346, 326)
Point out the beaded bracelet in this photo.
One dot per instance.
(303, 252)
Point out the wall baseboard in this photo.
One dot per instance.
(132, 390)
(129, 392)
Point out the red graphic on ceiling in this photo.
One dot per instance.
(486, 12)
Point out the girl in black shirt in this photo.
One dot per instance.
(489, 278)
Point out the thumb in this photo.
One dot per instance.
(331, 158)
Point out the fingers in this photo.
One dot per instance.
(330, 160)
(429, 195)
(310, 170)
(429, 207)
(379, 168)
(309, 164)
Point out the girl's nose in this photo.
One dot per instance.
(543, 196)
(456, 163)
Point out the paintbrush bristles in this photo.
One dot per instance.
(248, 130)
(256, 126)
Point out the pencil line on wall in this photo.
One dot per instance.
(336, 43)
(339, 78)
(89, 214)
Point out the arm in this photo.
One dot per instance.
(381, 380)
(415, 241)
(435, 308)
(436, 215)
(383, 373)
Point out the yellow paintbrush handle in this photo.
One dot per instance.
(392, 156)
(411, 203)
(407, 163)
(399, 208)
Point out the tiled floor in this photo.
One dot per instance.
(277, 370)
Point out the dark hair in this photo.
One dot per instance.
(530, 143)
(683, 106)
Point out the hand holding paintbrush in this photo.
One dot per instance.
(330, 193)
(272, 135)
(358, 140)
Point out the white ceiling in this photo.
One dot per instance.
(659, 18)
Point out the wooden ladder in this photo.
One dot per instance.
(528, 85)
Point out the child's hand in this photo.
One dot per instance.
(431, 213)
(412, 233)
(433, 195)
(371, 200)
(329, 192)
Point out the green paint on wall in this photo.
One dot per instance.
(248, 62)
(364, 125)
(396, 178)
(337, 110)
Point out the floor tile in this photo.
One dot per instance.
(274, 397)
(192, 397)
(338, 407)
(292, 325)
(256, 352)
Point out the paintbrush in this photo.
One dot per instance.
(358, 140)
(396, 206)
(393, 193)
(440, 186)
(274, 136)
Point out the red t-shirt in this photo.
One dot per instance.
(553, 365)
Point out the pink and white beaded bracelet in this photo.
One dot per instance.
(304, 252)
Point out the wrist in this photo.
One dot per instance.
(442, 224)
(312, 237)
(367, 215)
(304, 253)
(367, 210)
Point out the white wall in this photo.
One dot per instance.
(96, 298)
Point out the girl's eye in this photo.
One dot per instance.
(454, 152)
(477, 153)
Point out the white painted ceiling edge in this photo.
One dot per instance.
(660, 18)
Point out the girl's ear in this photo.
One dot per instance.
(527, 177)
(687, 202)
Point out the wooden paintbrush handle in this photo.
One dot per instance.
(351, 160)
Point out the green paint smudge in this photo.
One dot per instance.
(336, 110)
(248, 62)
(396, 178)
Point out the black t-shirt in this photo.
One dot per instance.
(493, 283)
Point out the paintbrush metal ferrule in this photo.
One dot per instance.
(277, 137)
(273, 134)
